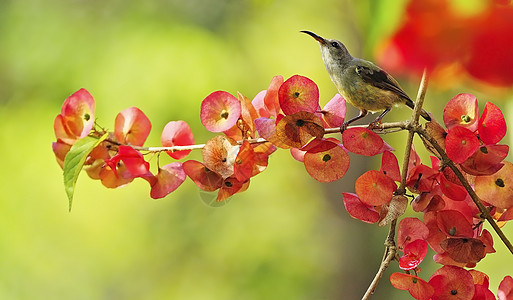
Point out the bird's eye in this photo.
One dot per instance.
(335, 44)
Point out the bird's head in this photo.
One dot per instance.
(332, 51)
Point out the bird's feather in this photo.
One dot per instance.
(377, 77)
(381, 79)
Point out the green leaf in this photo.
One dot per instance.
(74, 161)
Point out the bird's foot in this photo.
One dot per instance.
(343, 127)
(375, 125)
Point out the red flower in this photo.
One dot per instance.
(297, 94)
(374, 188)
(132, 160)
(506, 289)
(462, 110)
(132, 127)
(168, 179)
(177, 133)
(460, 144)
(418, 288)
(219, 111)
(414, 253)
(451, 283)
(359, 210)
(76, 118)
(492, 126)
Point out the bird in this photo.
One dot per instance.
(363, 84)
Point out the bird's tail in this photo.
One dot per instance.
(423, 113)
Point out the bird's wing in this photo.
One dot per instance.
(377, 77)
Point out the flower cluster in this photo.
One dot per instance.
(467, 157)
(452, 223)
(115, 160)
(286, 115)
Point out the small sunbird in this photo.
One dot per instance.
(362, 83)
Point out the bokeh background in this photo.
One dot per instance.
(287, 237)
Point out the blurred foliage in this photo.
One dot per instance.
(287, 237)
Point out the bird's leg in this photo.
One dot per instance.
(363, 113)
(374, 123)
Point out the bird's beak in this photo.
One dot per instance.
(320, 39)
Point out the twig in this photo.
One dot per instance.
(390, 252)
(392, 125)
(181, 148)
(377, 128)
(172, 148)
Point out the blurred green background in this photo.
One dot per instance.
(287, 237)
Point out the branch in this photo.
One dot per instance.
(411, 130)
(379, 129)
(390, 246)
(448, 162)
